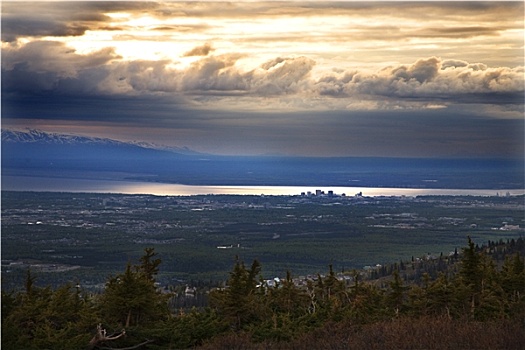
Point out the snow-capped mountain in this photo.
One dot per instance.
(39, 153)
(37, 137)
(151, 145)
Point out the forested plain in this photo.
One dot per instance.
(87, 237)
(113, 271)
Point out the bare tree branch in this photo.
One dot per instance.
(101, 336)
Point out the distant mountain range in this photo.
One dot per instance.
(41, 138)
(41, 154)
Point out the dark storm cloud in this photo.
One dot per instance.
(52, 67)
(199, 93)
(64, 18)
(53, 56)
(41, 19)
(411, 133)
(396, 133)
(48, 66)
(337, 133)
(14, 27)
(143, 111)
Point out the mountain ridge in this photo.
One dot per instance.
(35, 136)
(28, 153)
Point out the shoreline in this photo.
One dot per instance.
(76, 185)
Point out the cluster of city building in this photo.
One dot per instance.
(330, 193)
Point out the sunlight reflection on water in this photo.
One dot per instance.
(41, 184)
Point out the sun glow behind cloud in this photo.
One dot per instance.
(352, 33)
(274, 58)
(326, 35)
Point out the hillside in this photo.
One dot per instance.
(478, 305)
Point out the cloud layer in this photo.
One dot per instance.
(315, 77)
(51, 67)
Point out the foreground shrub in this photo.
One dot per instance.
(403, 333)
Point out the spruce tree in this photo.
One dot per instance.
(149, 266)
(238, 302)
(471, 275)
(131, 298)
(513, 283)
(397, 294)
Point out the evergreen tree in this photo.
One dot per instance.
(40, 318)
(419, 297)
(131, 298)
(149, 266)
(471, 275)
(441, 295)
(288, 298)
(513, 276)
(397, 294)
(513, 284)
(367, 303)
(239, 301)
(331, 293)
(491, 298)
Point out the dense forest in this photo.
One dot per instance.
(473, 299)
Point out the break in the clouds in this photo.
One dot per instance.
(190, 67)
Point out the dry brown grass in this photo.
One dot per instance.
(406, 333)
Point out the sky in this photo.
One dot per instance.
(344, 78)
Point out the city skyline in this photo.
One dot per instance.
(343, 78)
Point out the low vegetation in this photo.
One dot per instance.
(476, 300)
